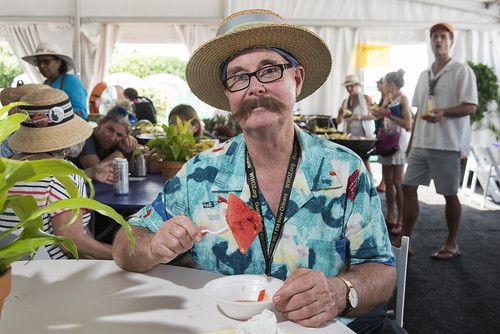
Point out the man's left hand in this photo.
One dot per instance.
(129, 144)
(306, 299)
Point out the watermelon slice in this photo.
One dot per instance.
(245, 223)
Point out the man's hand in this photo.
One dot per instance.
(103, 172)
(129, 144)
(306, 299)
(433, 116)
(174, 237)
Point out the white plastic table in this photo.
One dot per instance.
(93, 296)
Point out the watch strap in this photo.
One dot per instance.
(349, 285)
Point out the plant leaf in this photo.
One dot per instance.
(71, 203)
(24, 204)
(32, 238)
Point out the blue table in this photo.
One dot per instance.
(140, 193)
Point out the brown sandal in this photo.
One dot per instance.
(445, 254)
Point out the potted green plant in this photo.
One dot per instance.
(32, 235)
(174, 148)
(487, 89)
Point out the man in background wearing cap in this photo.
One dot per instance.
(446, 96)
(54, 65)
(323, 233)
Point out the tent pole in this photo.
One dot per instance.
(77, 47)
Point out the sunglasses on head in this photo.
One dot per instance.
(122, 112)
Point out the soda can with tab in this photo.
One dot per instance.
(120, 171)
(140, 165)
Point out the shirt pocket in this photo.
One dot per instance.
(210, 214)
(327, 256)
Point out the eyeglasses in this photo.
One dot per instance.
(122, 112)
(264, 74)
(45, 62)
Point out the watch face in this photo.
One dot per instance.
(353, 297)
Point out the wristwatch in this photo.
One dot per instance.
(352, 296)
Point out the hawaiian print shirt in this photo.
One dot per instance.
(333, 200)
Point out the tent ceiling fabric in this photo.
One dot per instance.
(464, 12)
(341, 23)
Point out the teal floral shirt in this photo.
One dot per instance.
(333, 199)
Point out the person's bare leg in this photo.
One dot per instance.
(453, 212)
(398, 171)
(381, 185)
(367, 165)
(410, 212)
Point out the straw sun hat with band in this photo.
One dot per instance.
(14, 94)
(49, 49)
(52, 124)
(253, 29)
(351, 79)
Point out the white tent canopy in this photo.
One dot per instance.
(88, 29)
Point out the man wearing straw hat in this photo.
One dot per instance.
(54, 65)
(323, 229)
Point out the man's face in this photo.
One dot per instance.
(110, 134)
(49, 66)
(441, 42)
(263, 104)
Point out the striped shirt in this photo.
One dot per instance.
(45, 192)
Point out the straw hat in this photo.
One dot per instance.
(351, 79)
(14, 94)
(52, 124)
(249, 29)
(50, 49)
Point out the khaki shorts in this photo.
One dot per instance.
(441, 166)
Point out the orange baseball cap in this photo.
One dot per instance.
(444, 26)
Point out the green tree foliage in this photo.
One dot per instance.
(9, 66)
(487, 89)
(143, 65)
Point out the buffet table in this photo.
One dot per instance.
(95, 296)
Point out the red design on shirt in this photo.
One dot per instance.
(221, 199)
(352, 182)
(218, 149)
(333, 173)
(147, 213)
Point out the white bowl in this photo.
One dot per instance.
(237, 295)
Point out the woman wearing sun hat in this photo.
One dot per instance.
(354, 111)
(51, 132)
(10, 95)
(323, 231)
(54, 65)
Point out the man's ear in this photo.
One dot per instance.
(299, 79)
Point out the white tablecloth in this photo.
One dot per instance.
(89, 296)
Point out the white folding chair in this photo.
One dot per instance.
(470, 168)
(401, 255)
(486, 172)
